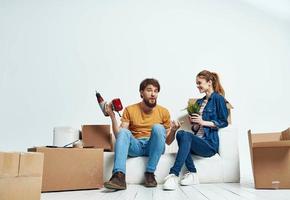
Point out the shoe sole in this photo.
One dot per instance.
(182, 184)
(114, 187)
(169, 189)
(147, 185)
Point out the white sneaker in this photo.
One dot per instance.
(171, 182)
(189, 178)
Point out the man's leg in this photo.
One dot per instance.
(125, 144)
(154, 149)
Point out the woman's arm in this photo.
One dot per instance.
(199, 120)
(222, 113)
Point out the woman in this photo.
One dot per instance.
(213, 115)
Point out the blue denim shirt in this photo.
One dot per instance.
(215, 111)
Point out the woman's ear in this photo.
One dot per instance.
(141, 94)
(210, 82)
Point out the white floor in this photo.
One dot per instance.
(221, 191)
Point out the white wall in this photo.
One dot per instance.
(55, 54)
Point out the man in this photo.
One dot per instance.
(144, 129)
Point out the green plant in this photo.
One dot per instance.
(192, 107)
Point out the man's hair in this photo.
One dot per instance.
(149, 81)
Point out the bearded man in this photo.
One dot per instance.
(144, 129)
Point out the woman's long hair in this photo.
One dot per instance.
(207, 75)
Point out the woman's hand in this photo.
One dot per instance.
(195, 118)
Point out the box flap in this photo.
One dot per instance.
(9, 163)
(268, 140)
(272, 144)
(265, 137)
(31, 164)
(285, 135)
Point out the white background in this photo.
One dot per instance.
(55, 54)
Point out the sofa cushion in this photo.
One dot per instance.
(135, 168)
(222, 167)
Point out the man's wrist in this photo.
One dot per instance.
(112, 116)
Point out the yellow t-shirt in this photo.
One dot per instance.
(140, 123)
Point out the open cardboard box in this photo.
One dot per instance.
(97, 136)
(270, 156)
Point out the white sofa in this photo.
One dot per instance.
(222, 167)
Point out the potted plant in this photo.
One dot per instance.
(193, 110)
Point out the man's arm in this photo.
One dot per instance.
(170, 133)
(170, 136)
(115, 126)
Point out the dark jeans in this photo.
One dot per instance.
(188, 144)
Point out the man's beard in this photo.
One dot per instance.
(150, 105)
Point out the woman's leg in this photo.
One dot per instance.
(200, 147)
(184, 146)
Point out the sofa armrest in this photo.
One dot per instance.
(228, 147)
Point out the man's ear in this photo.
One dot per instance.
(141, 94)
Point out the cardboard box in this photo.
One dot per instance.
(71, 168)
(97, 136)
(20, 176)
(229, 107)
(285, 134)
(270, 158)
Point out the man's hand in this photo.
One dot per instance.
(175, 125)
(109, 110)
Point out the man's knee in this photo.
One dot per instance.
(158, 130)
(123, 134)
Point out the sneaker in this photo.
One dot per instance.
(171, 182)
(117, 182)
(189, 178)
(150, 179)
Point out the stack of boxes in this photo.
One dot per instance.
(76, 168)
(45, 169)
